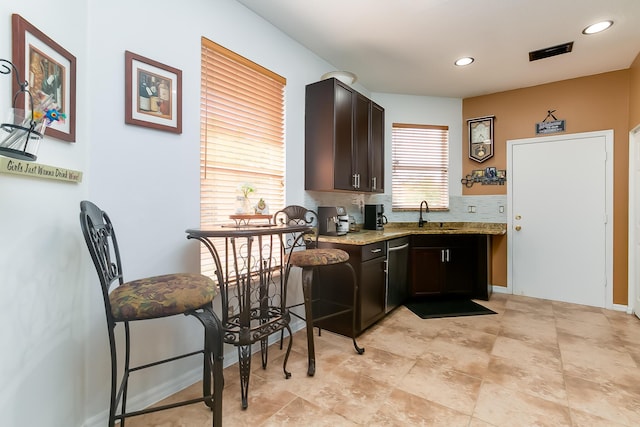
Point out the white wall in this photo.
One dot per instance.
(54, 360)
(43, 302)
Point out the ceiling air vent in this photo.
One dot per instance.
(550, 51)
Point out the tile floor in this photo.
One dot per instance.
(535, 363)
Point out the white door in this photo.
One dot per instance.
(634, 221)
(558, 238)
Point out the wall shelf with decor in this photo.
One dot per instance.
(486, 176)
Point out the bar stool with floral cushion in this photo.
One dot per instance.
(151, 298)
(301, 251)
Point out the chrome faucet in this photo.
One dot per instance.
(426, 205)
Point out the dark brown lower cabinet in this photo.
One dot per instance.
(446, 264)
(368, 262)
(438, 265)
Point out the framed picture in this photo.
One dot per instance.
(153, 94)
(50, 71)
(490, 172)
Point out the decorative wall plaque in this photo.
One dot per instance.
(480, 138)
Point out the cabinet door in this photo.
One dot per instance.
(460, 263)
(376, 149)
(343, 134)
(360, 156)
(427, 271)
(372, 292)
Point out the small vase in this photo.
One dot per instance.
(247, 208)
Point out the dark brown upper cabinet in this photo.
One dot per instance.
(344, 139)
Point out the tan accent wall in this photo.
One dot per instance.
(499, 260)
(592, 103)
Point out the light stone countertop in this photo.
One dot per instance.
(401, 229)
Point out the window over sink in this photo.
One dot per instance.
(420, 166)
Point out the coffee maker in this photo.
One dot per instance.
(374, 218)
(333, 220)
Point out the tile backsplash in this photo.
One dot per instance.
(461, 208)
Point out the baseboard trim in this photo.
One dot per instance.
(151, 396)
(619, 307)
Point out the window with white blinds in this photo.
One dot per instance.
(242, 136)
(420, 166)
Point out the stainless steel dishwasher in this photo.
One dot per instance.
(396, 281)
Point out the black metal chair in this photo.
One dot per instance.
(151, 298)
(302, 251)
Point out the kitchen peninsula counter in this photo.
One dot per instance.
(401, 229)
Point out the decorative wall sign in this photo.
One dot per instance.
(37, 170)
(51, 73)
(550, 126)
(480, 138)
(153, 94)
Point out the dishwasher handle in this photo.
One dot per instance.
(397, 248)
(392, 249)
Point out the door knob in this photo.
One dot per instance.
(518, 228)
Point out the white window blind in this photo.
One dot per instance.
(420, 166)
(242, 136)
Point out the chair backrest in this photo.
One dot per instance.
(298, 215)
(102, 244)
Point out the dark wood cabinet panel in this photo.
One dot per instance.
(450, 265)
(360, 157)
(368, 263)
(371, 285)
(461, 264)
(427, 271)
(344, 139)
(376, 149)
(343, 165)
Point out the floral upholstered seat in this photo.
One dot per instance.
(318, 257)
(161, 296)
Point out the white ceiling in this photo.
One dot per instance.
(409, 46)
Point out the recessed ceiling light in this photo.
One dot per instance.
(597, 27)
(464, 61)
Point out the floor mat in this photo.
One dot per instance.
(432, 308)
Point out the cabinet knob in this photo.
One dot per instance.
(518, 228)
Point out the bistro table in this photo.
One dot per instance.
(250, 275)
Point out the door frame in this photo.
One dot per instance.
(634, 140)
(608, 135)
